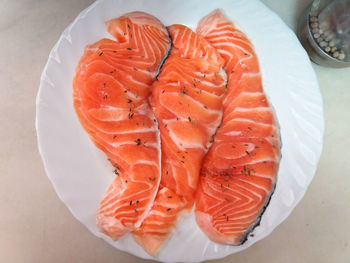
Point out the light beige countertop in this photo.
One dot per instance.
(35, 226)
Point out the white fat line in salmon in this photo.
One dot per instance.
(218, 40)
(234, 209)
(124, 202)
(248, 207)
(247, 53)
(146, 162)
(148, 208)
(128, 201)
(252, 184)
(182, 145)
(212, 85)
(139, 68)
(233, 133)
(116, 133)
(149, 145)
(150, 42)
(130, 197)
(156, 50)
(138, 60)
(251, 93)
(196, 102)
(217, 192)
(205, 83)
(141, 130)
(249, 121)
(236, 133)
(226, 30)
(251, 74)
(252, 109)
(209, 128)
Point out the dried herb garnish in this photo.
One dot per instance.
(101, 54)
(138, 142)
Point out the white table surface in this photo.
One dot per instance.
(35, 226)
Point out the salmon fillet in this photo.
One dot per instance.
(187, 102)
(110, 92)
(239, 172)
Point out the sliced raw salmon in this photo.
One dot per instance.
(187, 102)
(239, 172)
(111, 89)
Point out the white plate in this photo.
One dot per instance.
(80, 173)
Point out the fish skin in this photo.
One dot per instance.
(187, 102)
(239, 172)
(111, 88)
